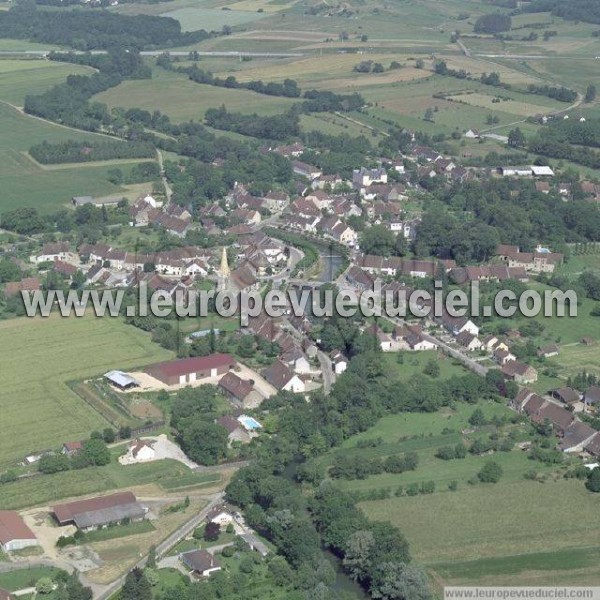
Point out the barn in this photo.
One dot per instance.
(95, 513)
(14, 533)
(189, 370)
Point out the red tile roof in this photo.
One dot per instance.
(185, 366)
(12, 527)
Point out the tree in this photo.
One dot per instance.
(494, 23)
(516, 138)
(108, 435)
(593, 481)
(429, 114)
(398, 581)
(136, 586)
(590, 93)
(96, 452)
(205, 443)
(477, 418)
(212, 531)
(490, 473)
(379, 240)
(151, 561)
(357, 557)
(432, 368)
(45, 585)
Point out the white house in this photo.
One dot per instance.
(138, 451)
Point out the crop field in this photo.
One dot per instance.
(38, 356)
(554, 540)
(183, 99)
(23, 183)
(523, 109)
(21, 77)
(194, 18)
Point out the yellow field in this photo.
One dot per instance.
(510, 106)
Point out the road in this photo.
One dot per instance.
(44, 53)
(168, 190)
(107, 591)
(327, 370)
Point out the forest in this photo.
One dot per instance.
(587, 11)
(93, 30)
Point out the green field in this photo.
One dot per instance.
(182, 99)
(193, 18)
(24, 183)
(33, 76)
(38, 356)
(511, 533)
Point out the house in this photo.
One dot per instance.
(28, 284)
(101, 511)
(548, 351)
(364, 177)
(221, 515)
(469, 341)
(238, 390)
(339, 361)
(456, 325)
(473, 134)
(566, 395)
(593, 445)
(519, 372)
(141, 450)
(200, 562)
(560, 418)
(359, 278)
(14, 533)
(576, 437)
(71, 448)
(592, 396)
(383, 339)
(503, 356)
(55, 251)
(542, 187)
(4, 595)
(188, 370)
(283, 379)
(306, 170)
(235, 431)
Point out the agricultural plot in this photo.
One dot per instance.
(475, 527)
(39, 356)
(24, 183)
(21, 77)
(183, 100)
(523, 109)
(194, 18)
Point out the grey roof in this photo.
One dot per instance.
(121, 379)
(106, 516)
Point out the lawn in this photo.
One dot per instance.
(22, 578)
(183, 99)
(413, 363)
(511, 533)
(39, 356)
(24, 183)
(194, 18)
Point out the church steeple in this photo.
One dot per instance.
(224, 271)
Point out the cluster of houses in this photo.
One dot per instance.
(574, 435)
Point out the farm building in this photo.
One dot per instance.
(95, 513)
(200, 562)
(14, 533)
(189, 370)
(4, 595)
(121, 380)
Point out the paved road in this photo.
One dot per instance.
(164, 546)
(44, 53)
(327, 370)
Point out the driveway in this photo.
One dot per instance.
(163, 448)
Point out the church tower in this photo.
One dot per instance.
(223, 272)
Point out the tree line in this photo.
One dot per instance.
(587, 11)
(288, 89)
(72, 151)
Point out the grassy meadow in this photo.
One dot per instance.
(39, 356)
